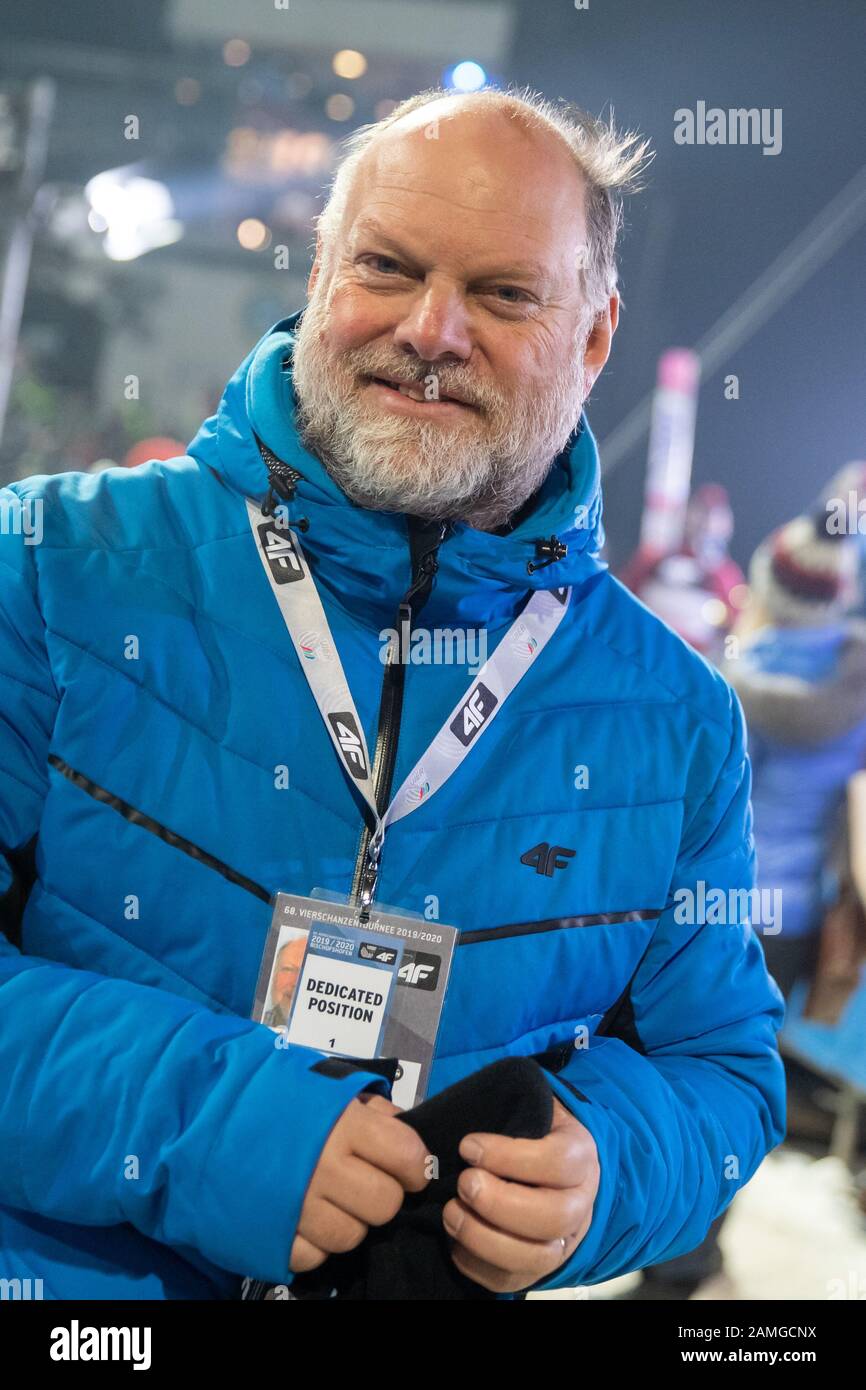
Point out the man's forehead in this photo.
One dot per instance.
(290, 950)
(479, 154)
(474, 177)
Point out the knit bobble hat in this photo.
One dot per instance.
(805, 573)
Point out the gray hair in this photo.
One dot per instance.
(611, 161)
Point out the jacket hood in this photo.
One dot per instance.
(364, 554)
(803, 687)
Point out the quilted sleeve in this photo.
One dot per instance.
(687, 1100)
(124, 1103)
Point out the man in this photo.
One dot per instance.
(422, 424)
(285, 983)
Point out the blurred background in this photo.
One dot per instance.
(161, 162)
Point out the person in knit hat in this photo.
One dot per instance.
(806, 573)
(801, 678)
(844, 502)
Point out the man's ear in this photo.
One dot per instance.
(599, 341)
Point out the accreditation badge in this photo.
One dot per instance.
(357, 990)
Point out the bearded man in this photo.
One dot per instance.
(418, 429)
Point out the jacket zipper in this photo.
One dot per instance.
(589, 919)
(391, 709)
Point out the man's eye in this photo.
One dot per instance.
(385, 264)
(510, 294)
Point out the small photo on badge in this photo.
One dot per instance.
(285, 974)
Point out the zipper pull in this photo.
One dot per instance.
(371, 875)
(427, 568)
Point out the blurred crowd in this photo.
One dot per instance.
(791, 639)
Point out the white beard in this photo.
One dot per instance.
(480, 470)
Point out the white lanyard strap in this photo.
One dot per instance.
(295, 591)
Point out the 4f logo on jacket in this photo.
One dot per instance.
(279, 551)
(419, 970)
(473, 713)
(351, 747)
(544, 858)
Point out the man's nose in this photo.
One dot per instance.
(436, 327)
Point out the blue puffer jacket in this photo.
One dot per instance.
(153, 1142)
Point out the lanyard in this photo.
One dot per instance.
(295, 591)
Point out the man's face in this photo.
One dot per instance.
(286, 975)
(455, 271)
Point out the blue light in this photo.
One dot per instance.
(467, 77)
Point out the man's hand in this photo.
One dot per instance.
(524, 1205)
(370, 1161)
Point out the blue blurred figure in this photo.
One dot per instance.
(798, 664)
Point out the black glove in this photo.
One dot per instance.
(410, 1257)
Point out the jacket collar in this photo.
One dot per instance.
(361, 557)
